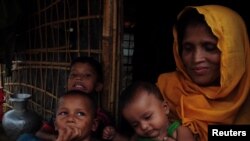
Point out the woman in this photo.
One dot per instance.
(212, 81)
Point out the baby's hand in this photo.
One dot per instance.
(69, 133)
(109, 133)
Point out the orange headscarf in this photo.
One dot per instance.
(225, 104)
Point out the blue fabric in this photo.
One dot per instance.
(28, 137)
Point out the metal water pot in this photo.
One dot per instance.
(20, 120)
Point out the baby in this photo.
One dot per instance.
(143, 106)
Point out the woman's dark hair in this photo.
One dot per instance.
(96, 65)
(190, 17)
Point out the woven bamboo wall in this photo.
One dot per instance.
(58, 31)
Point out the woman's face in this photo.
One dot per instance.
(200, 55)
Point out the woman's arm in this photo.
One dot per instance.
(183, 133)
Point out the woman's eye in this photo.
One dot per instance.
(210, 47)
(187, 47)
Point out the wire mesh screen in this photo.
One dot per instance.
(128, 50)
(56, 31)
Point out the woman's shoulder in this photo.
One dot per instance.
(165, 78)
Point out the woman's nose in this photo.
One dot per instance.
(198, 55)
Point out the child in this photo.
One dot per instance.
(76, 116)
(85, 75)
(143, 106)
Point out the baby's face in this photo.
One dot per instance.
(75, 113)
(147, 115)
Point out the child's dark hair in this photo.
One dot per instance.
(96, 65)
(131, 91)
(84, 95)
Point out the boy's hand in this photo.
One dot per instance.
(109, 133)
(68, 133)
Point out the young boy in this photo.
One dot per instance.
(76, 116)
(86, 74)
(143, 106)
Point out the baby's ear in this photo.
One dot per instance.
(166, 107)
(95, 124)
(98, 87)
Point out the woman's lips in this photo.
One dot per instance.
(200, 70)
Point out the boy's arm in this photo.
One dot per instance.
(45, 136)
(46, 132)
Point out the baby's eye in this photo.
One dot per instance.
(134, 124)
(148, 117)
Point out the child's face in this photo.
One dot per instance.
(83, 77)
(75, 115)
(147, 115)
